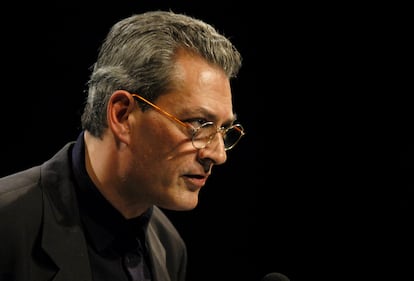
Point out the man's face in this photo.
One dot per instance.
(165, 169)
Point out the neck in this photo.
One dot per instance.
(103, 167)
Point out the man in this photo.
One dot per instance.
(158, 117)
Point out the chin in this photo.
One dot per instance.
(187, 206)
(182, 204)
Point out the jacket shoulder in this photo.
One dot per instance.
(17, 186)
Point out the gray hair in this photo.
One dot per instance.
(138, 56)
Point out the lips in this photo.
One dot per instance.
(195, 181)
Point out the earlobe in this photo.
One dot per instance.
(120, 106)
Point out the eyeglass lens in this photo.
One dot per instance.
(204, 134)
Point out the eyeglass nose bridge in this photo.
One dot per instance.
(222, 131)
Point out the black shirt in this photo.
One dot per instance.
(116, 246)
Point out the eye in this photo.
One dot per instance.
(196, 122)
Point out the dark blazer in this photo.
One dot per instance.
(41, 237)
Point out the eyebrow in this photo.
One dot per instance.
(209, 115)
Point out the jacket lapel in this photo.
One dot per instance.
(66, 248)
(62, 238)
(158, 262)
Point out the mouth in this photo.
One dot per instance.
(195, 182)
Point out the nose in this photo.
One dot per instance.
(214, 151)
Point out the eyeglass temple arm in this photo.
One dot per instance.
(163, 111)
(239, 129)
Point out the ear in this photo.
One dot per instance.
(120, 106)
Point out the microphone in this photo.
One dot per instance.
(275, 276)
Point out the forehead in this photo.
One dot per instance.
(200, 86)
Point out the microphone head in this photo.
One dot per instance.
(275, 276)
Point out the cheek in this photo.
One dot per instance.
(150, 138)
(148, 151)
(155, 138)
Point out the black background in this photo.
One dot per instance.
(321, 188)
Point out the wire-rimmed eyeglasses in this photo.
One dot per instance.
(204, 134)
